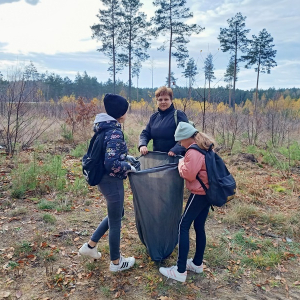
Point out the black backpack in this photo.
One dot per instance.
(93, 161)
(222, 186)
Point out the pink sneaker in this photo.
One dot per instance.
(192, 267)
(173, 273)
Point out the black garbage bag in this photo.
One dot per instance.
(158, 198)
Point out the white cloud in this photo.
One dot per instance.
(56, 36)
(50, 27)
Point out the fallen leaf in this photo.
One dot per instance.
(49, 286)
(44, 245)
(87, 209)
(4, 294)
(297, 283)
(76, 239)
(286, 287)
(18, 294)
(194, 287)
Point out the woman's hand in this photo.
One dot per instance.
(143, 150)
(171, 153)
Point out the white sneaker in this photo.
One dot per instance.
(124, 264)
(192, 267)
(173, 273)
(86, 251)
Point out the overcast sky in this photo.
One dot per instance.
(56, 36)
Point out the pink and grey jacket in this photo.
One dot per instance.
(192, 164)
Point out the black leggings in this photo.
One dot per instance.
(196, 210)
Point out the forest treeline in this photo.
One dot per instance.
(53, 86)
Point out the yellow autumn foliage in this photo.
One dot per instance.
(280, 104)
(67, 99)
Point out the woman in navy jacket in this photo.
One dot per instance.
(162, 126)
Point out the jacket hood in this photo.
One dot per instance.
(103, 117)
(104, 121)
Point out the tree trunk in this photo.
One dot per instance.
(234, 72)
(129, 67)
(256, 93)
(203, 120)
(208, 91)
(230, 92)
(190, 89)
(170, 48)
(114, 52)
(137, 88)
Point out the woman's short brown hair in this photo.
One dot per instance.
(163, 90)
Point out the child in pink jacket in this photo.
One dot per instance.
(197, 207)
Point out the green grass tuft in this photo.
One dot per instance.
(47, 218)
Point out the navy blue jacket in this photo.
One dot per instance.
(161, 128)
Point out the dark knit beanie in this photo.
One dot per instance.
(116, 106)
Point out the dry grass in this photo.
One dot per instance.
(252, 243)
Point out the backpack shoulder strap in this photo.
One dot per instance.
(202, 183)
(97, 140)
(175, 117)
(196, 147)
(92, 141)
(202, 151)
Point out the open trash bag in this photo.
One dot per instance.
(158, 198)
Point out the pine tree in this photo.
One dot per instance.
(262, 55)
(172, 78)
(229, 75)
(209, 71)
(136, 68)
(233, 39)
(190, 72)
(135, 40)
(169, 20)
(108, 31)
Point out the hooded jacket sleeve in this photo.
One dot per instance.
(115, 154)
(191, 165)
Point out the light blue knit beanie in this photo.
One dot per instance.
(184, 131)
